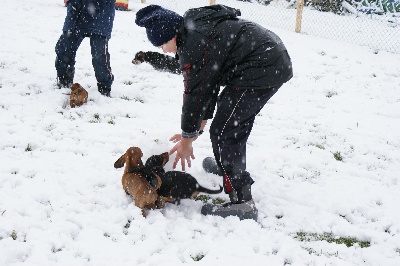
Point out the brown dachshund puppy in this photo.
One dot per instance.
(78, 95)
(135, 183)
(176, 185)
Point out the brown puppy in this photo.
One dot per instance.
(176, 185)
(78, 95)
(134, 181)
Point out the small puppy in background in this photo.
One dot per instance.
(135, 183)
(176, 185)
(78, 95)
(160, 62)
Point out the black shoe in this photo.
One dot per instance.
(64, 82)
(105, 93)
(241, 205)
(104, 90)
(210, 166)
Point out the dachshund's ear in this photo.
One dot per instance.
(120, 162)
(165, 157)
(75, 86)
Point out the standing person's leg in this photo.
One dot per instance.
(66, 48)
(229, 131)
(101, 63)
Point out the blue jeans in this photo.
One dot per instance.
(66, 48)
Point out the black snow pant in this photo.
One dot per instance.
(230, 129)
(66, 48)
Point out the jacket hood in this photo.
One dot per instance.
(202, 17)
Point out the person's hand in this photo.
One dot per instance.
(175, 138)
(184, 153)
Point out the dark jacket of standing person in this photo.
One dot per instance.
(90, 17)
(237, 54)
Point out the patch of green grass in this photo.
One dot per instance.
(218, 201)
(330, 238)
(338, 156)
(203, 198)
(28, 148)
(127, 225)
(96, 118)
(126, 98)
(198, 257)
(111, 122)
(206, 198)
(55, 250)
(139, 100)
(319, 253)
(319, 146)
(14, 235)
(330, 94)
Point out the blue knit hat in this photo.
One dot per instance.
(161, 24)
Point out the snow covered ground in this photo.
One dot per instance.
(325, 154)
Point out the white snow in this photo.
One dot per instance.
(61, 200)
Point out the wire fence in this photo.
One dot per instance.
(372, 23)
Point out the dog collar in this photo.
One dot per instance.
(135, 169)
(150, 176)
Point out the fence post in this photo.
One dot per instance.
(143, 1)
(300, 5)
(212, 2)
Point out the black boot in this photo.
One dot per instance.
(64, 82)
(104, 90)
(241, 205)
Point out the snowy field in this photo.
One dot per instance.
(324, 152)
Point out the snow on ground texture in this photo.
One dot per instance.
(61, 200)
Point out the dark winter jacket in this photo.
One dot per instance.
(215, 49)
(90, 17)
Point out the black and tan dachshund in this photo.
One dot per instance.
(175, 185)
(160, 62)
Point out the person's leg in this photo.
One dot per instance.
(66, 48)
(229, 131)
(101, 63)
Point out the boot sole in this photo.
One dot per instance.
(208, 209)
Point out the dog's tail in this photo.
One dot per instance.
(209, 191)
(159, 182)
(67, 93)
